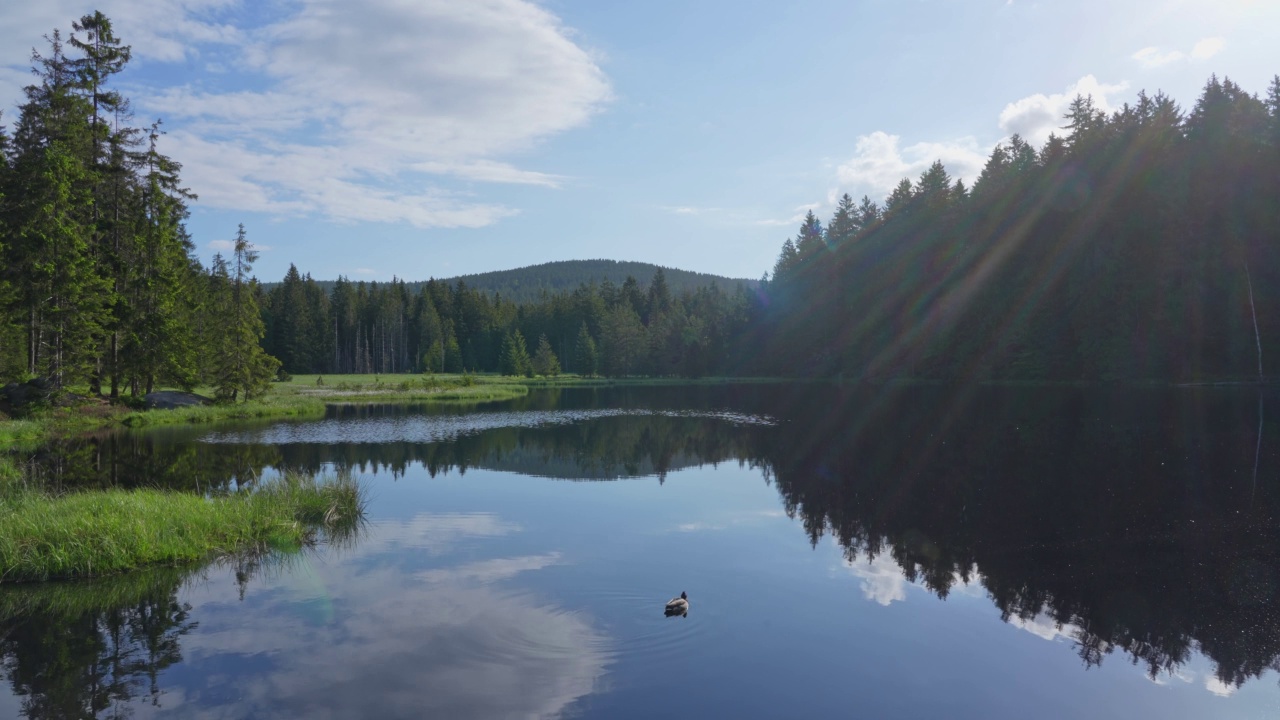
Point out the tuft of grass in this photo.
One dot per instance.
(104, 532)
(15, 432)
(273, 406)
(403, 388)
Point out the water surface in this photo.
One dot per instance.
(866, 552)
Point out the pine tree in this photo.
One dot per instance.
(844, 224)
(515, 355)
(622, 342)
(545, 362)
(899, 201)
(659, 300)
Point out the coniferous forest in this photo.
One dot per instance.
(1140, 244)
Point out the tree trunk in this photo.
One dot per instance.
(1257, 336)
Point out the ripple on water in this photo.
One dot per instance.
(647, 635)
(444, 428)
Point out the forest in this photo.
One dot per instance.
(99, 283)
(1140, 245)
(529, 284)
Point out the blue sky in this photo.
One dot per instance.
(421, 138)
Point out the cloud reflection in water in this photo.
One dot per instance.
(444, 642)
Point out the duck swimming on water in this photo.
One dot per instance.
(678, 606)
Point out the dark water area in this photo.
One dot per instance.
(858, 551)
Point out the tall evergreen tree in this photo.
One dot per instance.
(586, 359)
(242, 366)
(51, 260)
(515, 355)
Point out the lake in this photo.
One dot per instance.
(858, 551)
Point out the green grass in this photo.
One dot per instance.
(276, 405)
(17, 432)
(70, 600)
(403, 388)
(105, 532)
(302, 397)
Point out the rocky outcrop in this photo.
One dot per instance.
(170, 399)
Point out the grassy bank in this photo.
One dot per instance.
(98, 533)
(402, 388)
(306, 396)
(275, 405)
(303, 397)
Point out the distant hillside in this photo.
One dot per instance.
(527, 283)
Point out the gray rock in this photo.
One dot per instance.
(170, 399)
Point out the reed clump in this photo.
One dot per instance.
(103, 532)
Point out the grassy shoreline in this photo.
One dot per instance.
(105, 532)
(288, 399)
(306, 396)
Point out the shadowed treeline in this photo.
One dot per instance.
(1139, 244)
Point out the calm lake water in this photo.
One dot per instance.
(859, 552)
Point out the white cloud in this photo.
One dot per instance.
(1035, 117)
(1208, 47)
(229, 245)
(365, 271)
(879, 162)
(1044, 627)
(159, 30)
(165, 30)
(1153, 57)
(1217, 687)
(882, 579)
(355, 109)
(438, 643)
(353, 129)
(796, 217)
(689, 210)
(489, 571)
(729, 521)
(1176, 673)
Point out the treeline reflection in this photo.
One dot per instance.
(84, 650)
(606, 448)
(1139, 520)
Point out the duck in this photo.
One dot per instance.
(678, 606)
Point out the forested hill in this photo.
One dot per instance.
(527, 284)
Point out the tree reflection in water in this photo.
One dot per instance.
(1143, 520)
(1130, 516)
(76, 650)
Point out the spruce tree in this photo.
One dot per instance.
(515, 355)
(51, 263)
(585, 358)
(545, 362)
(242, 365)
